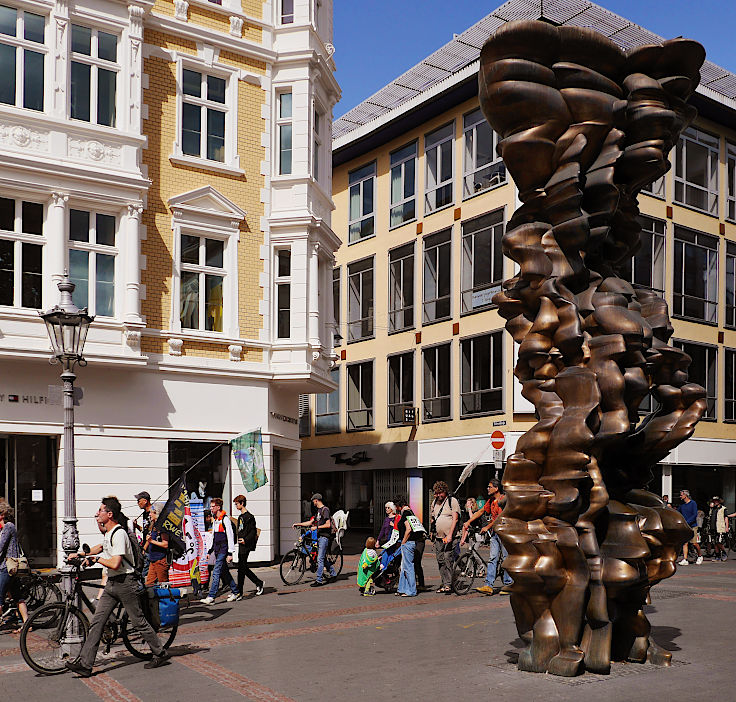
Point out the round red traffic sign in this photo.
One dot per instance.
(498, 439)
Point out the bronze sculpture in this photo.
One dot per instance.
(583, 127)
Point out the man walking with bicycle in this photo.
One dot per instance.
(322, 520)
(491, 509)
(118, 562)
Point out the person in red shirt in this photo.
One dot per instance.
(492, 509)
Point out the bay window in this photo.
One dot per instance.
(283, 293)
(284, 130)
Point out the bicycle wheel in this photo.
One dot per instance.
(51, 636)
(334, 560)
(292, 567)
(463, 574)
(137, 645)
(41, 591)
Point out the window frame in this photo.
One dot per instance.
(658, 256)
(393, 407)
(282, 281)
(401, 312)
(496, 369)
(328, 397)
(354, 181)
(401, 162)
(19, 239)
(730, 213)
(680, 298)
(711, 398)
(21, 45)
(284, 16)
(318, 126)
(436, 147)
(730, 291)
(426, 320)
(369, 410)
(96, 64)
(698, 137)
(435, 349)
(497, 168)
(467, 275)
(370, 320)
(656, 188)
(336, 299)
(281, 122)
(729, 395)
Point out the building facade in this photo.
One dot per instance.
(426, 368)
(172, 156)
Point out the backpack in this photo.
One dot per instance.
(135, 547)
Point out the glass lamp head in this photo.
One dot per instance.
(67, 325)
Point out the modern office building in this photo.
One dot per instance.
(421, 200)
(173, 157)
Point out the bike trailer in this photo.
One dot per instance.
(168, 604)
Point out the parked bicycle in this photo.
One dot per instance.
(36, 590)
(55, 632)
(303, 557)
(471, 565)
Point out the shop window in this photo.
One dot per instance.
(481, 375)
(401, 288)
(483, 168)
(360, 396)
(400, 386)
(731, 182)
(206, 466)
(730, 402)
(22, 56)
(703, 371)
(283, 293)
(304, 416)
(94, 71)
(438, 158)
(362, 183)
(202, 283)
(482, 265)
(696, 170)
(327, 408)
(436, 383)
(21, 253)
(284, 130)
(646, 268)
(403, 185)
(204, 115)
(437, 276)
(730, 285)
(695, 275)
(92, 260)
(360, 300)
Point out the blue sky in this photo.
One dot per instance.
(377, 40)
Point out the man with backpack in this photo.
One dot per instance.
(322, 520)
(118, 561)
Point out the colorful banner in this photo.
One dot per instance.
(171, 519)
(248, 452)
(191, 567)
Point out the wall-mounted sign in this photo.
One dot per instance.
(499, 423)
(284, 418)
(482, 298)
(36, 495)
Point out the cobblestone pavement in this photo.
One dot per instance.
(304, 644)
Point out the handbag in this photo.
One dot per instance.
(17, 565)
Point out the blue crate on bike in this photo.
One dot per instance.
(168, 604)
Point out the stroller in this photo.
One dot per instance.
(388, 577)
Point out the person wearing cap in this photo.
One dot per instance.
(147, 520)
(322, 520)
(718, 524)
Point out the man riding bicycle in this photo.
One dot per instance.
(118, 562)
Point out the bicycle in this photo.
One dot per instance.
(295, 562)
(36, 590)
(56, 632)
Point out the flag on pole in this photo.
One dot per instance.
(248, 452)
(171, 519)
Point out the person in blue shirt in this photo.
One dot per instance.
(689, 510)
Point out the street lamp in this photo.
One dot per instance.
(67, 326)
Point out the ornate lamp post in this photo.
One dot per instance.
(67, 326)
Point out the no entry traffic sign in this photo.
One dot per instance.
(498, 439)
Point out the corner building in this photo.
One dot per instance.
(422, 199)
(173, 157)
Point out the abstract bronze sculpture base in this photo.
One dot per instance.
(584, 126)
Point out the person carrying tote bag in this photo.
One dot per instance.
(11, 556)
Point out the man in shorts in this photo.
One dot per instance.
(689, 510)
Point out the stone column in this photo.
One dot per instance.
(55, 262)
(132, 264)
(135, 88)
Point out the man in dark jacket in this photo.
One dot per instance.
(246, 537)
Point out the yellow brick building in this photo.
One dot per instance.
(421, 203)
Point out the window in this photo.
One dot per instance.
(202, 282)
(481, 375)
(287, 11)
(730, 404)
(401, 288)
(436, 383)
(94, 71)
(304, 418)
(696, 275)
(327, 411)
(400, 386)
(361, 217)
(317, 126)
(92, 256)
(22, 55)
(360, 300)
(283, 293)
(21, 253)
(655, 189)
(696, 170)
(731, 185)
(438, 157)
(284, 132)
(360, 396)
(437, 276)
(203, 116)
(646, 268)
(482, 265)
(702, 371)
(403, 185)
(482, 167)
(336, 297)
(730, 284)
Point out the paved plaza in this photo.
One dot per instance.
(305, 644)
